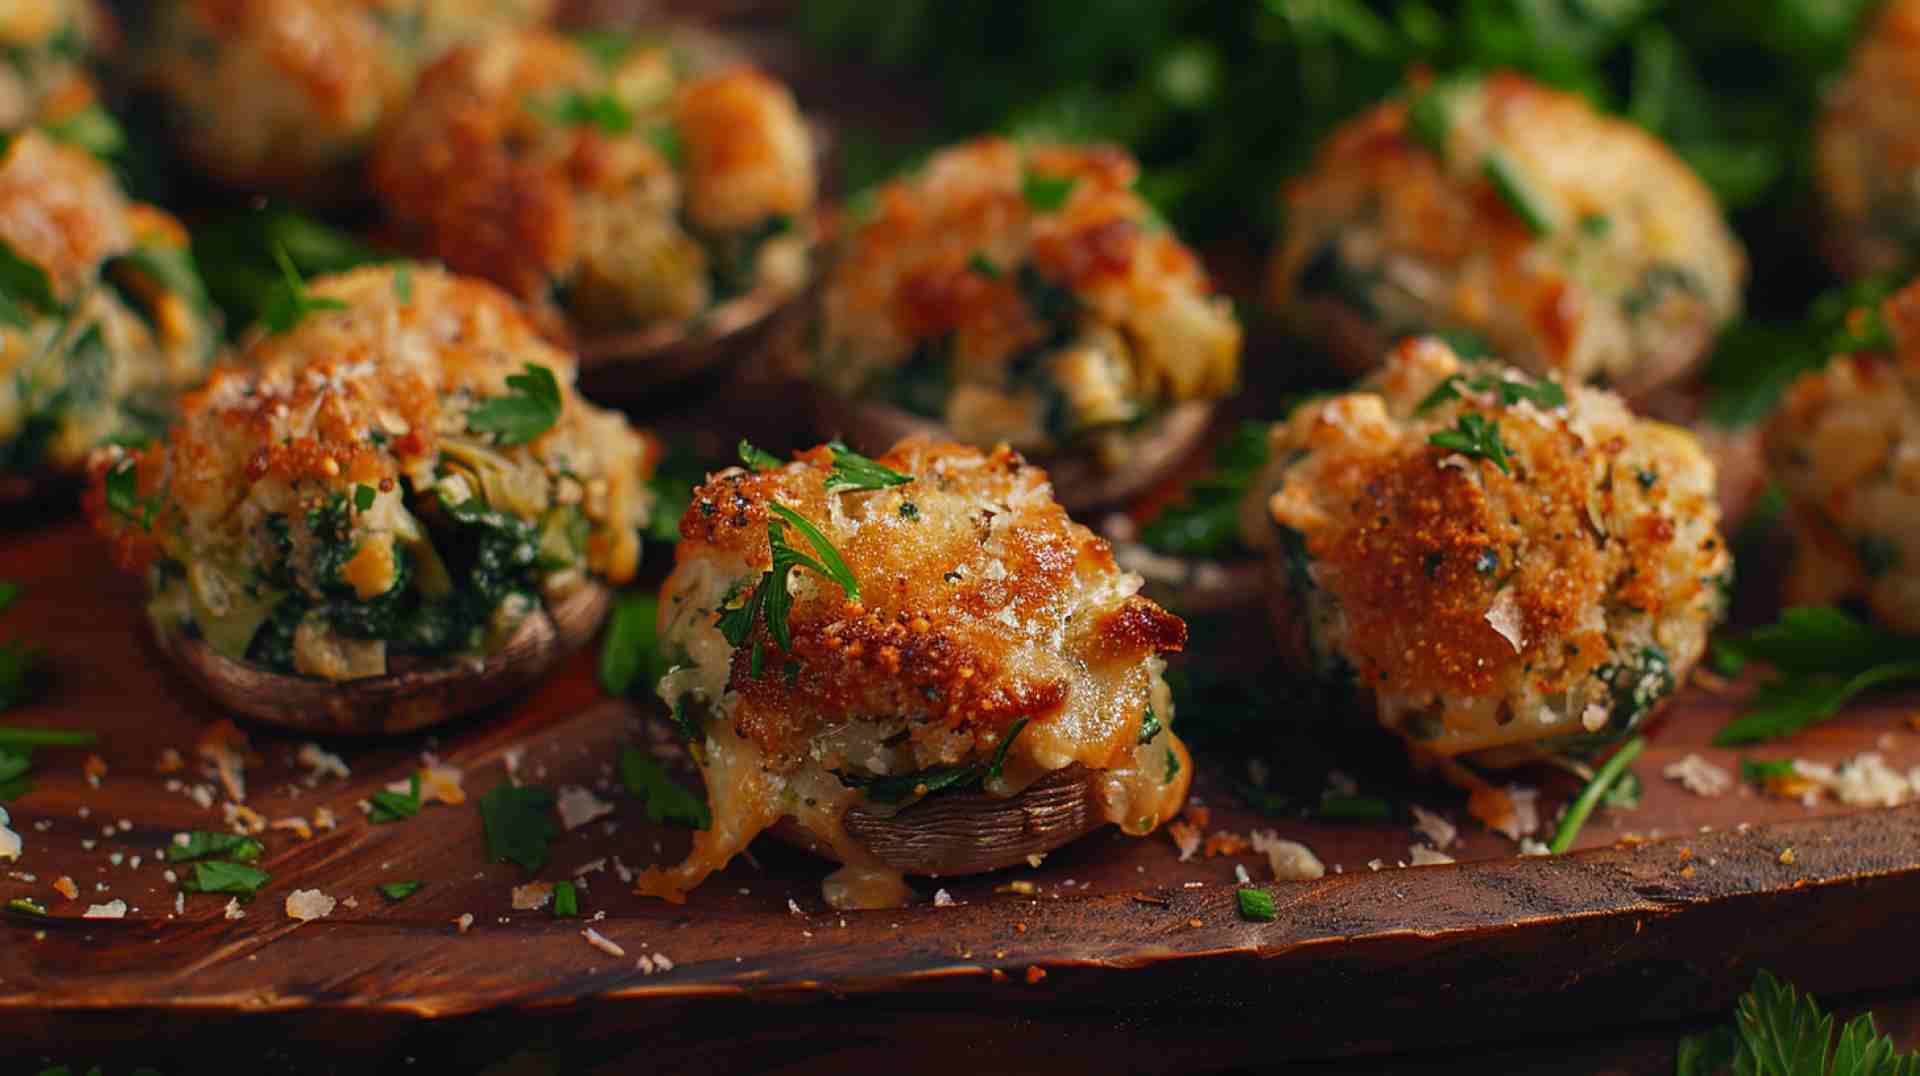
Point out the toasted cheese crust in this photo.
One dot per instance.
(1483, 607)
(335, 495)
(103, 359)
(614, 196)
(1867, 146)
(1845, 447)
(1402, 228)
(1024, 294)
(280, 94)
(983, 614)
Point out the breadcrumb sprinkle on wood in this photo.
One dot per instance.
(1698, 776)
(306, 905)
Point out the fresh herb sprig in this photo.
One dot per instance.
(1591, 796)
(1473, 434)
(758, 459)
(122, 484)
(221, 876)
(1046, 194)
(770, 597)
(1778, 1031)
(529, 408)
(289, 304)
(582, 108)
(1822, 659)
(853, 472)
(1542, 393)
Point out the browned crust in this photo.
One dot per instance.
(970, 832)
(423, 693)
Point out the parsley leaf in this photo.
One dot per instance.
(518, 820)
(1778, 1031)
(1149, 725)
(92, 129)
(829, 564)
(1430, 114)
(1205, 522)
(632, 645)
(579, 108)
(667, 140)
(403, 283)
(1822, 658)
(1766, 771)
(897, 788)
(666, 800)
(24, 283)
(202, 844)
(566, 900)
(363, 496)
(852, 471)
(1046, 193)
(978, 263)
(1474, 435)
(391, 806)
(1516, 188)
(529, 409)
(758, 459)
(288, 303)
(399, 891)
(220, 876)
(1256, 905)
(1590, 796)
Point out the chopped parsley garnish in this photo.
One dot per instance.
(666, 800)
(123, 495)
(92, 129)
(1205, 521)
(771, 594)
(1474, 435)
(203, 844)
(1430, 114)
(1046, 193)
(399, 891)
(24, 283)
(978, 263)
(1149, 725)
(607, 47)
(566, 901)
(26, 906)
(1595, 225)
(1778, 1031)
(1822, 658)
(1543, 393)
(1256, 905)
(363, 496)
(852, 471)
(665, 138)
(1767, 771)
(390, 806)
(579, 108)
(897, 788)
(403, 283)
(529, 409)
(1516, 188)
(632, 645)
(1590, 796)
(1173, 766)
(519, 826)
(288, 303)
(220, 876)
(758, 459)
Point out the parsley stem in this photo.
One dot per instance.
(1590, 795)
(18, 737)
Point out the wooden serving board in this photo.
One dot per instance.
(1113, 945)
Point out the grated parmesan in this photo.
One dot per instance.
(599, 941)
(579, 806)
(1434, 827)
(1698, 776)
(1290, 861)
(306, 905)
(113, 909)
(10, 844)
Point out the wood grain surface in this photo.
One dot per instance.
(1112, 942)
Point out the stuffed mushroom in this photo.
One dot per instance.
(1497, 563)
(1025, 294)
(611, 189)
(1867, 148)
(102, 316)
(285, 95)
(392, 510)
(1845, 448)
(920, 662)
(1514, 218)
